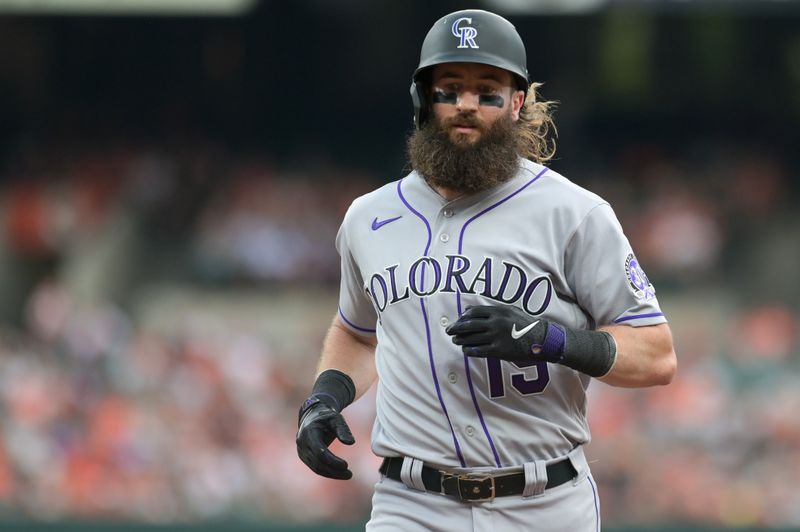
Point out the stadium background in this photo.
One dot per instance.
(170, 186)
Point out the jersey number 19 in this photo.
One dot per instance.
(497, 387)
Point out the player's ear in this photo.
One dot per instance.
(517, 101)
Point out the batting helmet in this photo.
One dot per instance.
(468, 36)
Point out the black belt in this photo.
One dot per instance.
(479, 486)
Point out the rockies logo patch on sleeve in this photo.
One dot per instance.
(637, 279)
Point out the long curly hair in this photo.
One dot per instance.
(537, 131)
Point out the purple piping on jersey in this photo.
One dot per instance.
(428, 330)
(458, 304)
(353, 325)
(596, 503)
(637, 316)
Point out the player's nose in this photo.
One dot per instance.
(467, 101)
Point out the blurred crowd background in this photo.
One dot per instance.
(170, 188)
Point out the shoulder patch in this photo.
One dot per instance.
(637, 279)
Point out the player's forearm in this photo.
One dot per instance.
(645, 356)
(351, 354)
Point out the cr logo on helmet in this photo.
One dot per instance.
(466, 34)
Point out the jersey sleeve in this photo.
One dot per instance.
(605, 276)
(355, 308)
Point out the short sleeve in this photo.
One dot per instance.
(355, 308)
(605, 276)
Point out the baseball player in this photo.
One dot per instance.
(484, 291)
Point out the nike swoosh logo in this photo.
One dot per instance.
(377, 225)
(515, 334)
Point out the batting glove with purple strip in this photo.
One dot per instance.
(508, 333)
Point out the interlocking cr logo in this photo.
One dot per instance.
(467, 34)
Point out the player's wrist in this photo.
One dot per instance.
(590, 352)
(332, 388)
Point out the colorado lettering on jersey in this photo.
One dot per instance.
(427, 276)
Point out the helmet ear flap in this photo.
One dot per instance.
(419, 98)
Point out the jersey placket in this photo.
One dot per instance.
(428, 319)
(461, 250)
(443, 311)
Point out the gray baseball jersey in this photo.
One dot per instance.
(413, 261)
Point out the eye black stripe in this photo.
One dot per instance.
(492, 100)
(439, 96)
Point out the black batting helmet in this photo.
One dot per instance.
(468, 36)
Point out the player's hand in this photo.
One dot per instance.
(319, 425)
(508, 333)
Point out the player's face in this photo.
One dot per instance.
(467, 98)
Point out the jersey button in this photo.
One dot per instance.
(470, 431)
(448, 213)
(444, 321)
(452, 377)
(444, 237)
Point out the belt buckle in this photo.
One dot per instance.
(474, 487)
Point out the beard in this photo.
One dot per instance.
(450, 160)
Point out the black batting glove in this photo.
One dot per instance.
(320, 423)
(508, 333)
